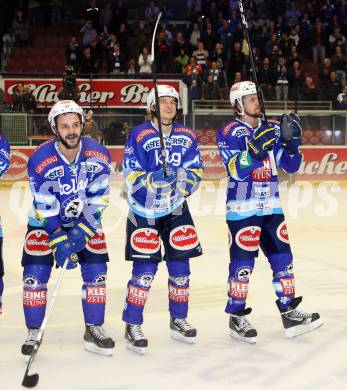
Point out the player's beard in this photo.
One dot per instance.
(75, 137)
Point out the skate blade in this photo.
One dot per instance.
(249, 340)
(91, 347)
(179, 337)
(301, 329)
(139, 350)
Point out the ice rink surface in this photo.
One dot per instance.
(317, 222)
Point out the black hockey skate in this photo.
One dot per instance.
(135, 339)
(28, 346)
(240, 327)
(96, 340)
(296, 322)
(181, 330)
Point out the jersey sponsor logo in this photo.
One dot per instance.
(282, 233)
(137, 296)
(145, 240)
(181, 140)
(185, 130)
(261, 192)
(184, 238)
(91, 167)
(238, 289)
(72, 208)
(248, 238)
(180, 281)
(243, 273)
(36, 243)
(240, 131)
(31, 281)
(174, 158)
(288, 286)
(263, 173)
(144, 280)
(45, 163)
(34, 298)
(97, 244)
(55, 172)
(96, 295)
(73, 188)
(96, 154)
(144, 134)
(153, 143)
(178, 294)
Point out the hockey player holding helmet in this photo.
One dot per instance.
(254, 213)
(158, 210)
(69, 179)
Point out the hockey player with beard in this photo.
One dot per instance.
(4, 165)
(69, 179)
(254, 213)
(158, 210)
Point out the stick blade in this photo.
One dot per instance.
(30, 380)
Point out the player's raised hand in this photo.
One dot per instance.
(262, 141)
(291, 132)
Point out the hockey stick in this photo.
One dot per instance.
(32, 380)
(154, 73)
(255, 79)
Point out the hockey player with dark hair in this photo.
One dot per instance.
(69, 179)
(158, 210)
(254, 213)
(4, 165)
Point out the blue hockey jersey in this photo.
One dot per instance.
(64, 192)
(142, 155)
(252, 188)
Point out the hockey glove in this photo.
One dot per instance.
(185, 182)
(157, 183)
(80, 233)
(62, 249)
(291, 133)
(262, 141)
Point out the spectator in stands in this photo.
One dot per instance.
(145, 61)
(163, 57)
(332, 89)
(195, 35)
(4, 105)
(167, 33)
(92, 13)
(337, 39)
(96, 52)
(91, 128)
(210, 90)
(324, 72)
(267, 78)
(342, 99)
(179, 43)
(296, 78)
(123, 37)
(294, 36)
(236, 62)
(132, 66)
(219, 55)
(106, 15)
(193, 68)
(292, 13)
(23, 99)
(87, 62)
(293, 56)
(194, 88)
(142, 34)
(116, 60)
(226, 35)
(219, 76)
(201, 56)
(73, 53)
(151, 13)
(182, 60)
(88, 32)
(284, 44)
(120, 14)
(319, 42)
(21, 29)
(281, 78)
(105, 40)
(209, 37)
(309, 90)
(339, 62)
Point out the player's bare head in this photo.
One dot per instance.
(169, 101)
(67, 120)
(244, 100)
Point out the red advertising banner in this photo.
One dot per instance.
(319, 163)
(116, 93)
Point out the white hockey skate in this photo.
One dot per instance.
(181, 330)
(296, 322)
(135, 339)
(241, 328)
(29, 343)
(96, 340)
